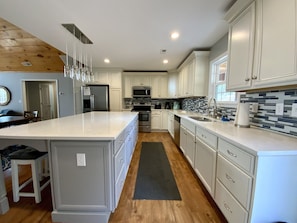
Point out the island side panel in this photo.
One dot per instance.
(81, 193)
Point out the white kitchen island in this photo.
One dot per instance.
(89, 158)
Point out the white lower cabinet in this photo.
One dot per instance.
(187, 140)
(159, 119)
(171, 123)
(230, 207)
(183, 139)
(247, 186)
(235, 180)
(206, 158)
(205, 165)
(156, 120)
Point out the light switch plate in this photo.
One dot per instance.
(294, 110)
(81, 159)
(279, 109)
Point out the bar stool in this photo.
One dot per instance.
(33, 157)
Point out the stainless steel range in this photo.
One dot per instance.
(144, 116)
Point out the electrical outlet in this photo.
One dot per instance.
(294, 110)
(81, 159)
(279, 109)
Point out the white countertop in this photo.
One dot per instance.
(254, 140)
(86, 126)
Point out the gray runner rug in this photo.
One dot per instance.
(155, 180)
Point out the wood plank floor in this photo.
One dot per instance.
(195, 206)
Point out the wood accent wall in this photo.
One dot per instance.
(17, 46)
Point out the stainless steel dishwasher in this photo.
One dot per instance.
(177, 130)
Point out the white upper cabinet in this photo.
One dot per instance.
(110, 77)
(193, 75)
(159, 85)
(173, 85)
(241, 50)
(158, 81)
(115, 79)
(262, 44)
(127, 86)
(141, 80)
(276, 50)
(101, 77)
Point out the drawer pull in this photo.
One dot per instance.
(230, 178)
(230, 153)
(227, 207)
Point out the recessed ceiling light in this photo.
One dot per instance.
(165, 61)
(106, 60)
(26, 63)
(174, 35)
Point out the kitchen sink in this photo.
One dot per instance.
(201, 119)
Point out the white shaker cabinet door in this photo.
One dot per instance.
(276, 45)
(241, 50)
(205, 165)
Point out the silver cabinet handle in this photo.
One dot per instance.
(227, 207)
(230, 178)
(231, 154)
(247, 79)
(254, 77)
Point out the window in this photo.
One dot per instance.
(218, 68)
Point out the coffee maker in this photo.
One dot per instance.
(168, 105)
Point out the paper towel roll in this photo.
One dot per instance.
(242, 115)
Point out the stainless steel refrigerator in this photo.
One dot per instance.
(95, 98)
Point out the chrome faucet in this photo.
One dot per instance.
(214, 114)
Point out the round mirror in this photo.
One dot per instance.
(4, 96)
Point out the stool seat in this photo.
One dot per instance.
(33, 157)
(26, 154)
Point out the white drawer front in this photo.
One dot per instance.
(119, 141)
(235, 180)
(238, 156)
(119, 162)
(207, 137)
(232, 210)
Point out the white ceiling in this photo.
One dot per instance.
(130, 33)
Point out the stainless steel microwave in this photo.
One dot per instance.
(141, 91)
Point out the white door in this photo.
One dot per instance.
(45, 101)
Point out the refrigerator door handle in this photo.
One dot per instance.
(92, 100)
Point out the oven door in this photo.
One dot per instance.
(144, 118)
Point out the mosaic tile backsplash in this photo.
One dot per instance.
(265, 117)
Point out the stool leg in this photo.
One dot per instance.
(46, 166)
(36, 183)
(15, 181)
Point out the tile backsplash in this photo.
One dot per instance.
(265, 117)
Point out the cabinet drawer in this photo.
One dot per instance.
(207, 137)
(119, 161)
(119, 141)
(232, 210)
(235, 180)
(238, 156)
